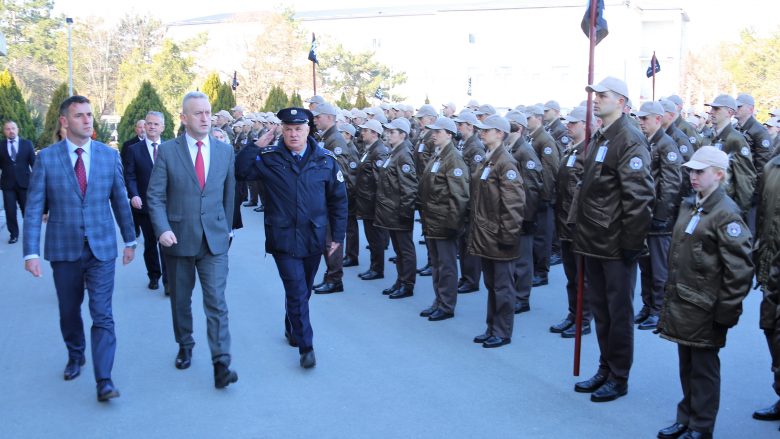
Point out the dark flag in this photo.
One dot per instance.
(655, 67)
(468, 90)
(601, 23)
(379, 94)
(313, 50)
(234, 85)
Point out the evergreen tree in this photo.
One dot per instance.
(211, 89)
(225, 100)
(13, 107)
(146, 100)
(361, 101)
(51, 123)
(276, 100)
(296, 100)
(343, 102)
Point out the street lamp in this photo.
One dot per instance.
(70, 56)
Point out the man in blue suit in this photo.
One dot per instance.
(17, 158)
(139, 162)
(80, 181)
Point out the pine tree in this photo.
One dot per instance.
(146, 100)
(276, 100)
(361, 101)
(343, 102)
(52, 122)
(225, 100)
(13, 107)
(211, 89)
(296, 100)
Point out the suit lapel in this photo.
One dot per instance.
(216, 157)
(184, 155)
(69, 172)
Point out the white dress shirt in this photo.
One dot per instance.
(150, 148)
(205, 151)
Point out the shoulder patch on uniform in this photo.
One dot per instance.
(340, 176)
(692, 139)
(548, 150)
(683, 148)
(734, 229)
(457, 172)
(352, 165)
(477, 158)
(672, 156)
(379, 163)
(635, 163)
(337, 150)
(530, 164)
(765, 143)
(565, 140)
(406, 168)
(745, 151)
(511, 174)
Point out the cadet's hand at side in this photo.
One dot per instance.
(167, 239)
(333, 247)
(136, 202)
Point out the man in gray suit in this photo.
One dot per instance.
(190, 199)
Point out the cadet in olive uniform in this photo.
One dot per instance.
(395, 202)
(305, 195)
(613, 215)
(497, 203)
(547, 151)
(359, 117)
(473, 152)
(759, 142)
(531, 170)
(568, 181)
(423, 152)
(742, 174)
(693, 136)
(665, 168)
(352, 245)
(444, 196)
(682, 141)
(367, 171)
(773, 128)
(766, 257)
(554, 126)
(710, 272)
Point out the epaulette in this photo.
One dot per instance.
(330, 153)
(266, 149)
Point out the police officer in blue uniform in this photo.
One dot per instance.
(305, 194)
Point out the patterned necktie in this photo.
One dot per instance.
(200, 168)
(154, 145)
(81, 173)
(13, 150)
(298, 157)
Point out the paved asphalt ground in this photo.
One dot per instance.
(382, 372)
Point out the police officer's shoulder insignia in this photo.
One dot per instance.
(765, 143)
(266, 149)
(635, 163)
(328, 153)
(692, 139)
(337, 150)
(457, 172)
(511, 174)
(321, 144)
(406, 168)
(548, 150)
(672, 156)
(683, 149)
(477, 158)
(745, 151)
(379, 163)
(352, 165)
(565, 140)
(530, 165)
(734, 229)
(340, 176)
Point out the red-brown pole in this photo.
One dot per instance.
(581, 259)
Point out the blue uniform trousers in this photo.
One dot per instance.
(297, 275)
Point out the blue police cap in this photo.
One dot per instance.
(294, 115)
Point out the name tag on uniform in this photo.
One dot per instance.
(692, 224)
(421, 148)
(435, 167)
(485, 173)
(602, 152)
(364, 158)
(387, 162)
(570, 162)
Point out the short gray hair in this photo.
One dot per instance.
(192, 95)
(156, 113)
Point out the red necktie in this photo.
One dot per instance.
(200, 168)
(81, 173)
(154, 145)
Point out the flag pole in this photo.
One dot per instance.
(581, 259)
(314, 71)
(653, 62)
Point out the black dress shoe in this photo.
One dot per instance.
(641, 315)
(106, 390)
(290, 340)
(259, 209)
(693, 434)
(223, 376)
(496, 342)
(154, 284)
(592, 384)
(538, 281)
(315, 286)
(249, 204)
(389, 291)
(329, 288)
(555, 259)
(428, 311)
(610, 391)
(392, 259)
(522, 307)
(481, 338)
(439, 315)
(465, 289)
(184, 358)
(349, 262)
(649, 323)
(420, 270)
(404, 291)
(562, 325)
(771, 413)
(308, 360)
(570, 332)
(73, 368)
(673, 431)
(13, 240)
(371, 275)
(426, 271)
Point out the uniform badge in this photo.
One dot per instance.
(530, 164)
(477, 158)
(379, 163)
(692, 139)
(457, 172)
(406, 168)
(511, 174)
(548, 150)
(734, 230)
(745, 151)
(635, 163)
(672, 156)
(337, 150)
(293, 112)
(765, 143)
(565, 140)
(352, 165)
(340, 176)
(684, 149)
